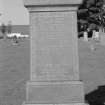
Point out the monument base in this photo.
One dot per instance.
(55, 92)
(56, 104)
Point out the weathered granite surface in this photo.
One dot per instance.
(54, 53)
(51, 2)
(55, 92)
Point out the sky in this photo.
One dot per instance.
(13, 10)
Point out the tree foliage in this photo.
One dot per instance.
(91, 14)
(3, 28)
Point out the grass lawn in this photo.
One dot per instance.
(14, 72)
(15, 69)
(92, 65)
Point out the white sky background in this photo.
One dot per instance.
(13, 10)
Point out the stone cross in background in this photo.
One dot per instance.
(54, 53)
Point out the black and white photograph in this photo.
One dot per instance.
(52, 52)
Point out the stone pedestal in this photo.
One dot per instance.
(54, 53)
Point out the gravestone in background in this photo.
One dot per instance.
(54, 53)
(102, 37)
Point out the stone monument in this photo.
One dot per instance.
(54, 53)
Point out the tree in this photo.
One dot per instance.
(91, 14)
(9, 27)
(3, 28)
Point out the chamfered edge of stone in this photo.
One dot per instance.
(51, 2)
(55, 104)
(53, 83)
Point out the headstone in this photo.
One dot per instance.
(85, 34)
(54, 68)
(97, 36)
(102, 38)
(93, 34)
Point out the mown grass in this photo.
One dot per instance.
(14, 72)
(15, 69)
(92, 65)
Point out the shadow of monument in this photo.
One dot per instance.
(96, 97)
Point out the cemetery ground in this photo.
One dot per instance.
(15, 69)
